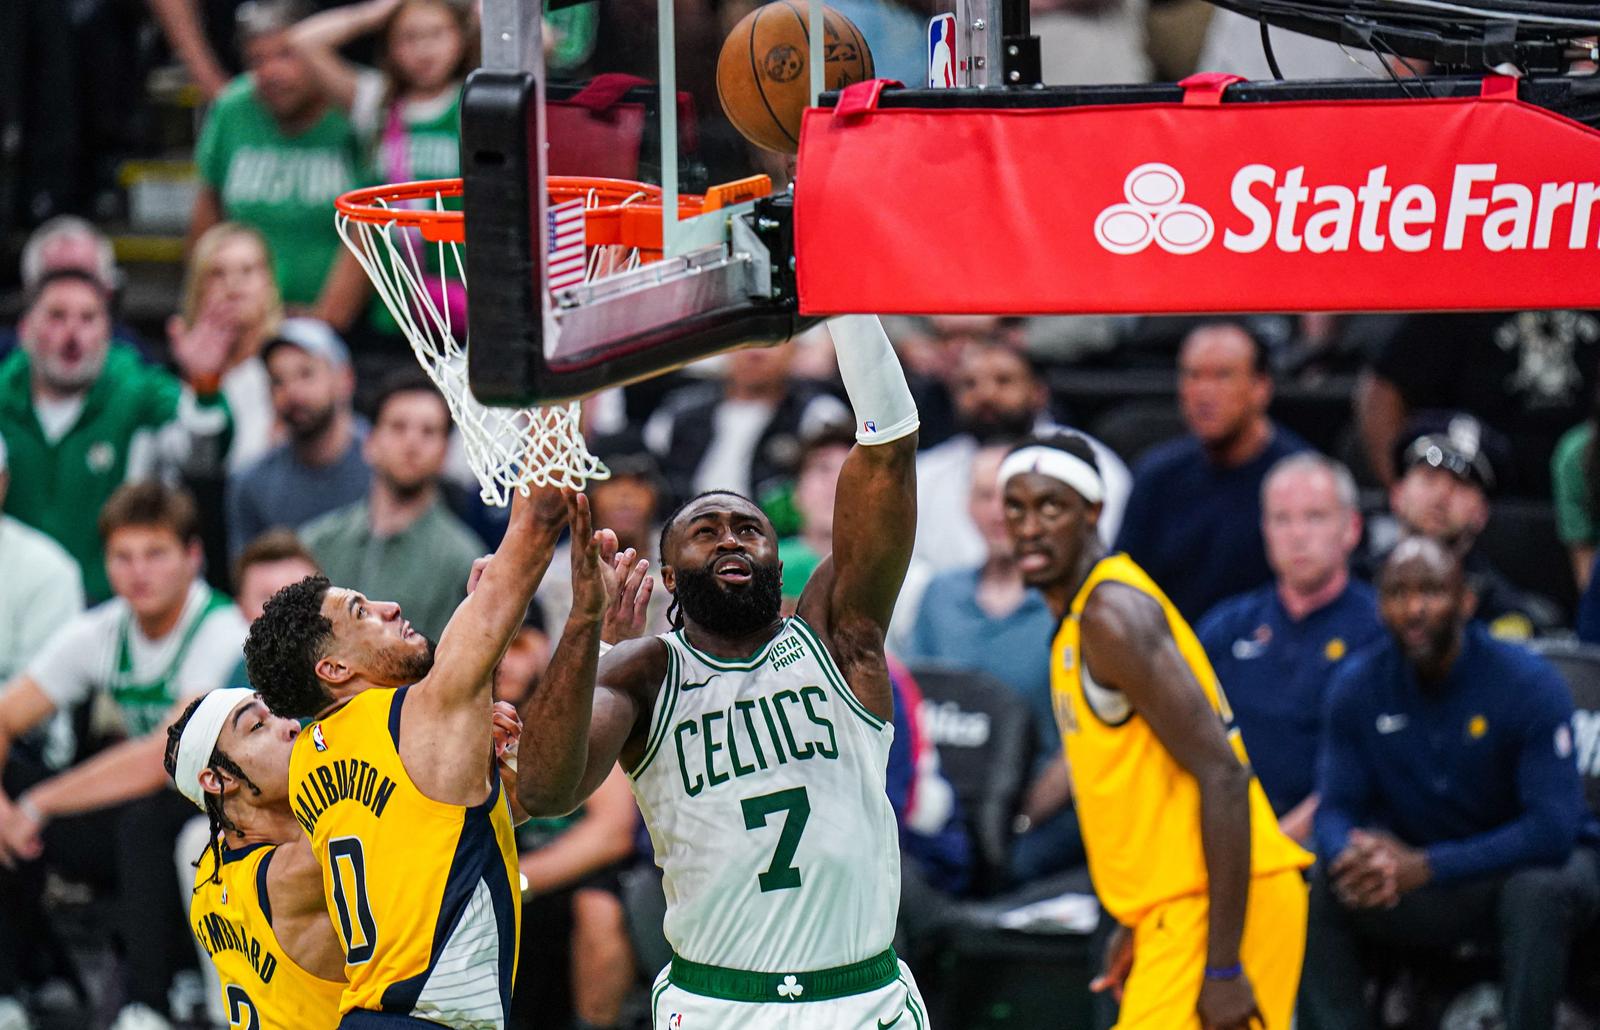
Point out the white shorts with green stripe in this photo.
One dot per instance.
(897, 1004)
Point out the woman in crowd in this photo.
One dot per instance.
(229, 292)
(406, 112)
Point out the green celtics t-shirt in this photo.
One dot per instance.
(407, 140)
(282, 185)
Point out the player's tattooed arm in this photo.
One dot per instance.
(1128, 646)
(584, 714)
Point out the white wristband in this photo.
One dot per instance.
(873, 380)
(604, 647)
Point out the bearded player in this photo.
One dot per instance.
(757, 745)
(1183, 847)
(395, 782)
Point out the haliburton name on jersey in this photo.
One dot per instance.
(346, 779)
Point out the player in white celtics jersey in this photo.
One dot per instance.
(757, 744)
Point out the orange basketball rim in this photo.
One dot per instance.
(620, 212)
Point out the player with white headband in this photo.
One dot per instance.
(257, 908)
(1211, 936)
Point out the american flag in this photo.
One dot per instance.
(565, 246)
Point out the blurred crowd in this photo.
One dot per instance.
(162, 480)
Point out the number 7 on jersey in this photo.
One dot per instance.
(781, 873)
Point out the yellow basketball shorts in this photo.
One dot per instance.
(1169, 956)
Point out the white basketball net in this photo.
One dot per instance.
(424, 286)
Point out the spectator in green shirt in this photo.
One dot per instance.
(81, 416)
(407, 111)
(407, 115)
(402, 544)
(274, 154)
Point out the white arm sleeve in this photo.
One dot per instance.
(873, 379)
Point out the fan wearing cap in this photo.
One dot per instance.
(320, 466)
(1449, 466)
(1213, 933)
(257, 907)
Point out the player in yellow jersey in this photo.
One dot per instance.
(1183, 847)
(395, 784)
(257, 907)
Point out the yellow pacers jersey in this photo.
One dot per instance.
(232, 919)
(425, 896)
(1139, 809)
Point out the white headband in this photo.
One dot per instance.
(199, 739)
(1057, 464)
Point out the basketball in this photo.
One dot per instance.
(762, 73)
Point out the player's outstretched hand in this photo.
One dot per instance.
(628, 588)
(1229, 1005)
(589, 553)
(1118, 963)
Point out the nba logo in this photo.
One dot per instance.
(942, 52)
(316, 738)
(675, 1021)
(869, 426)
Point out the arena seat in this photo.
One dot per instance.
(1579, 665)
(984, 974)
(984, 732)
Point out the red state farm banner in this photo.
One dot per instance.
(1482, 202)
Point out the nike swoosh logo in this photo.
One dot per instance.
(885, 1026)
(696, 686)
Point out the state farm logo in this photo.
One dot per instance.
(1154, 212)
(1468, 206)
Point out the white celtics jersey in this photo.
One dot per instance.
(762, 785)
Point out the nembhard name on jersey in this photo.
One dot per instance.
(754, 734)
(217, 934)
(347, 779)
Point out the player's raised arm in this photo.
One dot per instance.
(482, 627)
(576, 727)
(852, 595)
(1128, 646)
